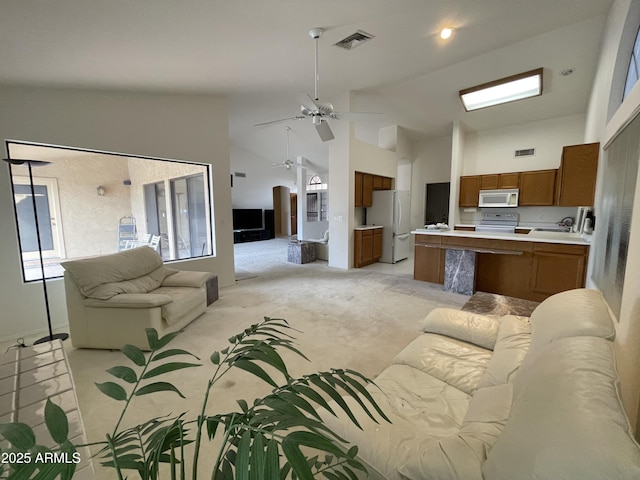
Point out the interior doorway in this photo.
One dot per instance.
(436, 208)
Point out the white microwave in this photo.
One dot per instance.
(498, 198)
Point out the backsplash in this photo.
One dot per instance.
(528, 216)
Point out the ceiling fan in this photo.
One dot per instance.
(288, 164)
(319, 111)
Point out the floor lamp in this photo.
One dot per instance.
(30, 164)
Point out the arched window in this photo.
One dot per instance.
(633, 72)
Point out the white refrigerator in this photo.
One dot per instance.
(390, 208)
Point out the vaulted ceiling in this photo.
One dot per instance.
(259, 54)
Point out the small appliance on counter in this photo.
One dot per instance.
(498, 222)
(581, 224)
(506, 197)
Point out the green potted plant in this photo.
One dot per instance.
(280, 435)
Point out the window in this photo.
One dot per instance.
(317, 202)
(633, 72)
(614, 218)
(165, 204)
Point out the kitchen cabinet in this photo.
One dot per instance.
(367, 246)
(429, 259)
(558, 267)
(469, 191)
(509, 180)
(464, 228)
(365, 184)
(489, 182)
(537, 188)
(495, 181)
(576, 182)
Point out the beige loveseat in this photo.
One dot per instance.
(502, 398)
(111, 299)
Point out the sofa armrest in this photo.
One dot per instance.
(130, 300)
(481, 330)
(187, 279)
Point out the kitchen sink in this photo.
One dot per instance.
(551, 229)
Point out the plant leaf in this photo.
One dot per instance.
(167, 338)
(134, 354)
(296, 459)
(19, 435)
(329, 390)
(56, 421)
(168, 367)
(113, 390)
(317, 441)
(158, 387)
(272, 461)
(125, 373)
(215, 358)
(255, 370)
(170, 353)
(242, 457)
(257, 458)
(152, 338)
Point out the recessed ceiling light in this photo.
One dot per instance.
(508, 89)
(446, 33)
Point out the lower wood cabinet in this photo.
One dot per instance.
(558, 267)
(429, 259)
(520, 269)
(367, 246)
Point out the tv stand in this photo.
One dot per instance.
(250, 235)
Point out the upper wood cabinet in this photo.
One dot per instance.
(576, 182)
(489, 182)
(469, 191)
(509, 180)
(537, 188)
(365, 184)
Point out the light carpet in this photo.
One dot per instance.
(358, 319)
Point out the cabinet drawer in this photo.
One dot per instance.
(428, 239)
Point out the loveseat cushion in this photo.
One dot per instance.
(461, 456)
(512, 344)
(571, 314)
(566, 419)
(481, 330)
(451, 361)
(139, 270)
(184, 299)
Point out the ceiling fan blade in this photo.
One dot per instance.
(297, 117)
(358, 116)
(308, 102)
(323, 129)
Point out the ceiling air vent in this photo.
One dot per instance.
(240, 174)
(353, 40)
(525, 152)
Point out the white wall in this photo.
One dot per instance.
(492, 151)
(187, 127)
(255, 190)
(432, 165)
(603, 121)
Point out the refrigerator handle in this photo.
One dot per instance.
(399, 209)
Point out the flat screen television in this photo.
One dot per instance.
(247, 218)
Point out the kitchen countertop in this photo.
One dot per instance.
(367, 227)
(543, 237)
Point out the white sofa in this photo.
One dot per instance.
(112, 299)
(322, 246)
(480, 397)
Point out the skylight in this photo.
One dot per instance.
(509, 89)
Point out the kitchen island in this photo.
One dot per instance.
(531, 266)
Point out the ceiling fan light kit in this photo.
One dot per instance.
(318, 111)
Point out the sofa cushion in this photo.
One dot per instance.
(509, 351)
(570, 314)
(566, 418)
(422, 410)
(138, 270)
(184, 300)
(451, 361)
(460, 456)
(481, 330)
